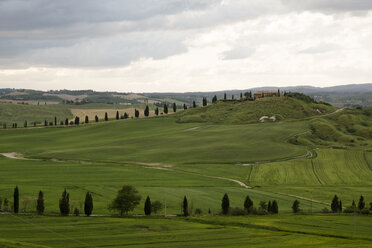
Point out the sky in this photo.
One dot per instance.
(183, 45)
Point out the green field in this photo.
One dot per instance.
(208, 231)
(171, 157)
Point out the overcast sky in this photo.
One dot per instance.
(183, 45)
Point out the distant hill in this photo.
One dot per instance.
(264, 110)
(352, 95)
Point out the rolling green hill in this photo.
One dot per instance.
(243, 112)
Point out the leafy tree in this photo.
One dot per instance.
(184, 107)
(40, 203)
(224, 96)
(64, 203)
(96, 118)
(185, 207)
(269, 207)
(157, 111)
(165, 109)
(263, 206)
(156, 206)
(126, 200)
(148, 206)
(274, 207)
(106, 117)
(296, 206)
(198, 211)
(125, 115)
(174, 107)
(117, 115)
(16, 200)
(147, 111)
(248, 204)
(88, 204)
(225, 205)
(86, 119)
(334, 204)
(193, 104)
(361, 203)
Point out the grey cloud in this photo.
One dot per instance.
(320, 48)
(330, 6)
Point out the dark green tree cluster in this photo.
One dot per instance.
(147, 111)
(336, 205)
(174, 108)
(88, 204)
(205, 102)
(165, 108)
(214, 99)
(136, 113)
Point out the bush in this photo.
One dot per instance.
(76, 212)
(198, 211)
(238, 211)
(349, 210)
(325, 211)
(365, 211)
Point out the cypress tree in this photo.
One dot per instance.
(16, 200)
(40, 203)
(174, 107)
(248, 204)
(106, 117)
(334, 204)
(205, 102)
(45, 123)
(353, 205)
(274, 207)
(165, 109)
(296, 206)
(214, 99)
(232, 97)
(184, 107)
(88, 204)
(25, 124)
(361, 203)
(193, 104)
(224, 96)
(147, 111)
(117, 115)
(225, 205)
(55, 120)
(96, 118)
(77, 120)
(125, 115)
(269, 207)
(157, 111)
(86, 119)
(185, 207)
(66, 122)
(147, 206)
(64, 203)
(340, 206)
(136, 113)
(241, 95)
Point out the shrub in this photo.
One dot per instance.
(198, 211)
(238, 211)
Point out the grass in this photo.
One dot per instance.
(19, 113)
(238, 112)
(268, 231)
(157, 140)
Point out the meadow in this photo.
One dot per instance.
(168, 158)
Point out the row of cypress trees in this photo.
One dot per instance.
(64, 203)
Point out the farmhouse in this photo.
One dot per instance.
(261, 94)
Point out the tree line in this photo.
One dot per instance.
(128, 198)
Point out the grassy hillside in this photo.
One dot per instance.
(239, 112)
(348, 128)
(10, 113)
